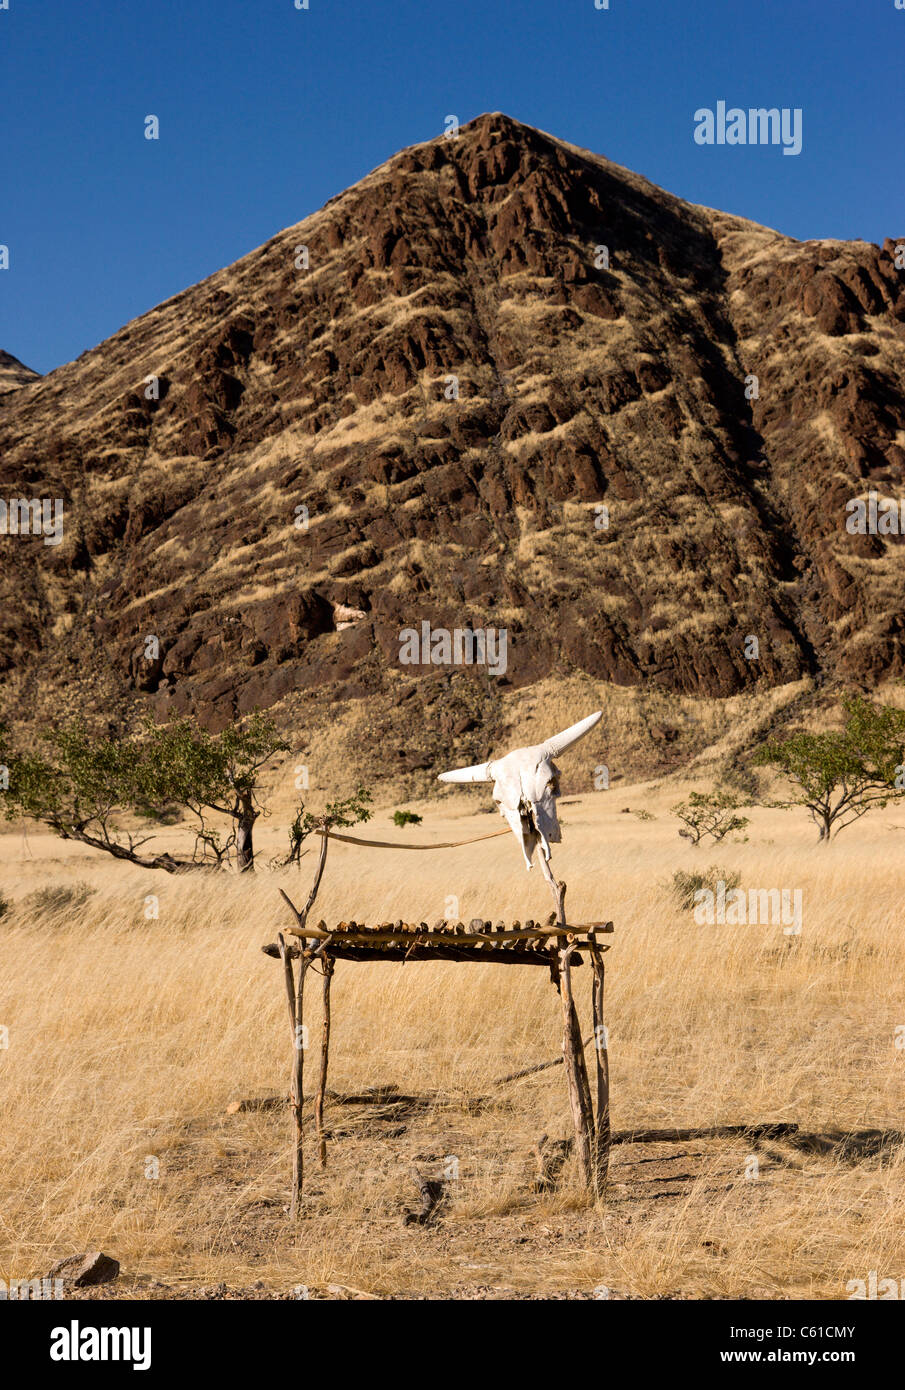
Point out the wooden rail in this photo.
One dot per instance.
(348, 934)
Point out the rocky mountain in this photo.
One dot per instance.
(14, 373)
(500, 382)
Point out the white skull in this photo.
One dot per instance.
(526, 785)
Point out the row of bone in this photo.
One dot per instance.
(476, 927)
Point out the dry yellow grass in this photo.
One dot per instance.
(128, 1038)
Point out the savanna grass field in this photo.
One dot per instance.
(128, 1036)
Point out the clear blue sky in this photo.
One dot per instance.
(266, 111)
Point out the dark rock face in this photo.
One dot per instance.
(508, 390)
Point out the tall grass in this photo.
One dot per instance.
(128, 1034)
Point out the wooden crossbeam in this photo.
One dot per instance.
(447, 950)
(366, 936)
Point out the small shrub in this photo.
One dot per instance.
(351, 811)
(406, 818)
(710, 814)
(58, 897)
(5, 905)
(686, 885)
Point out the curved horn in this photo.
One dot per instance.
(560, 742)
(480, 772)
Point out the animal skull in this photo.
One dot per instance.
(525, 787)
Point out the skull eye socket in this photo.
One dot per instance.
(553, 786)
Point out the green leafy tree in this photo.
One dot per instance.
(839, 775)
(350, 811)
(711, 814)
(84, 781)
(212, 772)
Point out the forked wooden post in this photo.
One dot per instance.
(576, 1073)
(297, 1093)
(296, 1019)
(295, 991)
(572, 1048)
(325, 1059)
(603, 1135)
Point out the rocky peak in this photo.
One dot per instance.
(14, 373)
(500, 383)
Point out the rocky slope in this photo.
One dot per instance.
(14, 373)
(185, 446)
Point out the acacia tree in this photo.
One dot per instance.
(350, 811)
(84, 781)
(839, 775)
(213, 772)
(710, 814)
